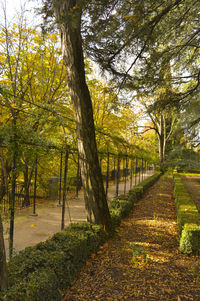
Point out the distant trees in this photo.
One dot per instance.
(162, 110)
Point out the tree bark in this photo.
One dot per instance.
(3, 264)
(68, 15)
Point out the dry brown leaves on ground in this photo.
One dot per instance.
(142, 261)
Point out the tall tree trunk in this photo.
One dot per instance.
(68, 14)
(3, 264)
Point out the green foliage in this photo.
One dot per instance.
(190, 239)
(43, 284)
(183, 157)
(188, 218)
(40, 272)
(137, 253)
(115, 216)
(186, 209)
(121, 206)
(138, 191)
(119, 210)
(94, 234)
(144, 185)
(159, 80)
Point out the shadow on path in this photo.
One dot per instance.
(166, 274)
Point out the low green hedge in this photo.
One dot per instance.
(137, 191)
(148, 182)
(188, 218)
(120, 208)
(122, 205)
(41, 272)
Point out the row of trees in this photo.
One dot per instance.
(35, 104)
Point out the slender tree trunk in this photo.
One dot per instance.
(164, 136)
(3, 264)
(68, 14)
(28, 174)
(26, 200)
(161, 149)
(162, 139)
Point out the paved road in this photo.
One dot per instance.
(30, 230)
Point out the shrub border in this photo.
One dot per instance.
(188, 218)
(41, 272)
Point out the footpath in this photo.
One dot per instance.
(153, 269)
(29, 230)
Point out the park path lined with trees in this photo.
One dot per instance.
(159, 272)
(52, 104)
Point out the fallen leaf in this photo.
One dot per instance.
(93, 255)
(100, 252)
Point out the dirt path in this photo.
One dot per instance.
(165, 274)
(192, 184)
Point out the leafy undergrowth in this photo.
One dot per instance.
(142, 261)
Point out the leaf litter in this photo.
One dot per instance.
(142, 261)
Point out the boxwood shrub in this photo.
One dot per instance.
(188, 218)
(137, 191)
(122, 205)
(190, 239)
(40, 272)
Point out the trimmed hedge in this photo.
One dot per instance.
(120, 208)
(41, 272)
(188, 218)
(138, 190)
(122, 205)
